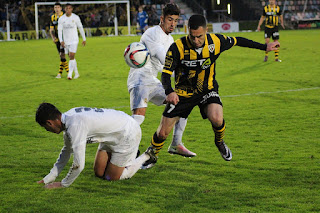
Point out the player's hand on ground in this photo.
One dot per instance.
(53, 185)
(273, 46)
(84, 43)
(172, 98)
(40, 181)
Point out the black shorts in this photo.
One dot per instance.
(271, 32)
(59, 47)
(185, 105)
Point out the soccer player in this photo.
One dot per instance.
(193, 59)
(68, 36)
(271, 13)
(117, 133)
(142, 20)
(143, 84)
(54, 35)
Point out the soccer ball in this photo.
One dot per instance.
(136, 55)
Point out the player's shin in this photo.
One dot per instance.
(129, 171)
(157, 143)
(61, 67)
(71, 68)
(219, 132)
(65, 64)
(178, 131)
(276, 54)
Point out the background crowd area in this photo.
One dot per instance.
(297, 14)
(22, 14)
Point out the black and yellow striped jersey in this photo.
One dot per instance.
(195, 68)
(54, 23)
(272, 15)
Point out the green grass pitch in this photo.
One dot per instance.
(272, 113)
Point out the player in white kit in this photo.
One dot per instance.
(143, 84)
(69, 39)
(117, 133)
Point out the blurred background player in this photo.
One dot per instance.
(69, 39)
(143, 84)
(116, 132)
(271, 13)
(54, 35)
(193, 59)
(142, 20)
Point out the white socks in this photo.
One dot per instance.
(129, 171)
(138, 118)
(178, 131)
(73, 67)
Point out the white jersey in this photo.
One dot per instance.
(90, 125)
(67, 29)
(158, 43)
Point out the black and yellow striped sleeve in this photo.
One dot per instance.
(51, 21)
(226, 42)
(171, 63)
(172, 59)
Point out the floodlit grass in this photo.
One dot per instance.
(273, 129)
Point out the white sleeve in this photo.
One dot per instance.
(77, 165)
(78, 136)
(155, 48)
(80, 27)
(61, 161)
(60, 27)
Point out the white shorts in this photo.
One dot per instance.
(142, 94)
(71, 48)
(127, 148)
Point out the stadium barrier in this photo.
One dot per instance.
(31, 34)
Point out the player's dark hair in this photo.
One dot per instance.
(170, 9)
(68, 4)
(46, 111)
(196, 21)
(57, 3)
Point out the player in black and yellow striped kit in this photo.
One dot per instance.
(193, 59)
(54, 35)
(272, 14)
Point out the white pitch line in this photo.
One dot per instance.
(226, 96)
(261, 93)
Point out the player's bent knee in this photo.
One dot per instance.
(216, 121)
(98, 172)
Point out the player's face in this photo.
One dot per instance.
(69, 10)
(169, 23)
(198, 36)
(272, 2)
(54, 126)
(57, 9)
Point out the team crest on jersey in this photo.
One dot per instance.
(211, 48)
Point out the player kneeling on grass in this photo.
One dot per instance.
(117, 133)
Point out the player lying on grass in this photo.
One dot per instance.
(117, 133)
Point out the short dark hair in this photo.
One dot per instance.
(170, 9)
(68, 4)
(196, 21)
(46, 111)
(57, 3)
